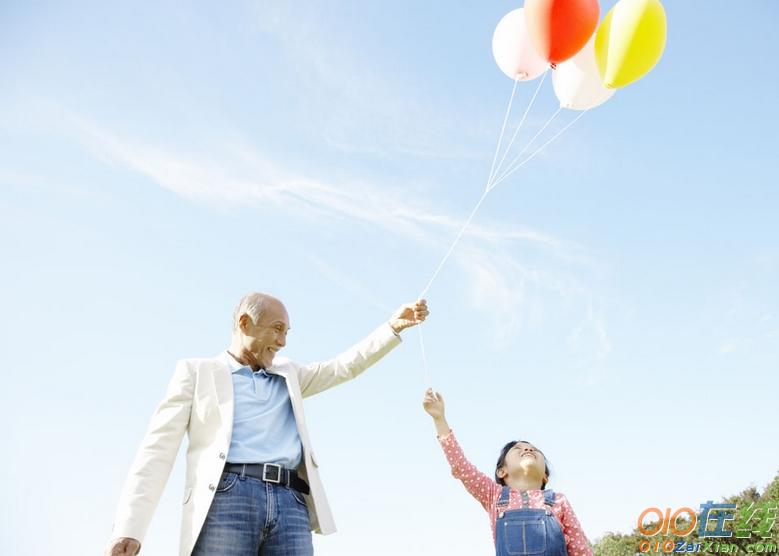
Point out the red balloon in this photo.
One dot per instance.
(560, 28)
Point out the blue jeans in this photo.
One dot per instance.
(250, 517)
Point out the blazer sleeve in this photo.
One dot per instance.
(317, 377)
(155, 457)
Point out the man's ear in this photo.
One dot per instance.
(243, 322)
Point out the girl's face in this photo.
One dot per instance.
(525, 459)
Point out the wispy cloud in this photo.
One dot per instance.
(501, 284)
(735, 344)
(748, 319)
(519, 294)
(348, 282)
(239, 175)
(359, 107)
(592, 344)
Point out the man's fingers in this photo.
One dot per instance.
(124, 547)
(131, 547)
(417, 308)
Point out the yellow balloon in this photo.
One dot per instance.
(630, 41)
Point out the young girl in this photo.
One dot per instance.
(525, 518)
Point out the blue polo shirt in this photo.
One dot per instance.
(264, 429)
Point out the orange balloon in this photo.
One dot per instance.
(560, 28)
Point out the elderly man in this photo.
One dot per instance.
(252, 485)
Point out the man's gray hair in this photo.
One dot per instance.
(252, 304)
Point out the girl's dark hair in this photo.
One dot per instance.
(502, 460)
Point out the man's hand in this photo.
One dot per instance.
(123, 546)
(409, 314)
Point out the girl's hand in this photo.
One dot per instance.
(434, 404)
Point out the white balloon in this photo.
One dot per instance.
(513, 50)
(577, 81)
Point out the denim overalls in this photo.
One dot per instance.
(528, 531)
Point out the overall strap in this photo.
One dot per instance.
(549, 497)
(504, 496)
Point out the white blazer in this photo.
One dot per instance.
(199, 402)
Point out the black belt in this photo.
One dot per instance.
(270, 473)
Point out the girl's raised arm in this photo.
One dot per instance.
(479, 485)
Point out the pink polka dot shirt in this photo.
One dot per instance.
(487, 492)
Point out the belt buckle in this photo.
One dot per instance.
(274, 468)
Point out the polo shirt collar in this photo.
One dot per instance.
(235, 366)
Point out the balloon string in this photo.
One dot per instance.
(493, 170)
(505, 175)
(430, 283)
(516, 131)
(487, 189)
(453, 245)
(541, 148)
(526, 147)
(424, 357)
(503, 128)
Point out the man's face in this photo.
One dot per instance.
(527, 458)
(261, 340)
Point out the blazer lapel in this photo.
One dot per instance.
(290, 378)
(223, 386)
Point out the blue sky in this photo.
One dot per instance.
(614, 302)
